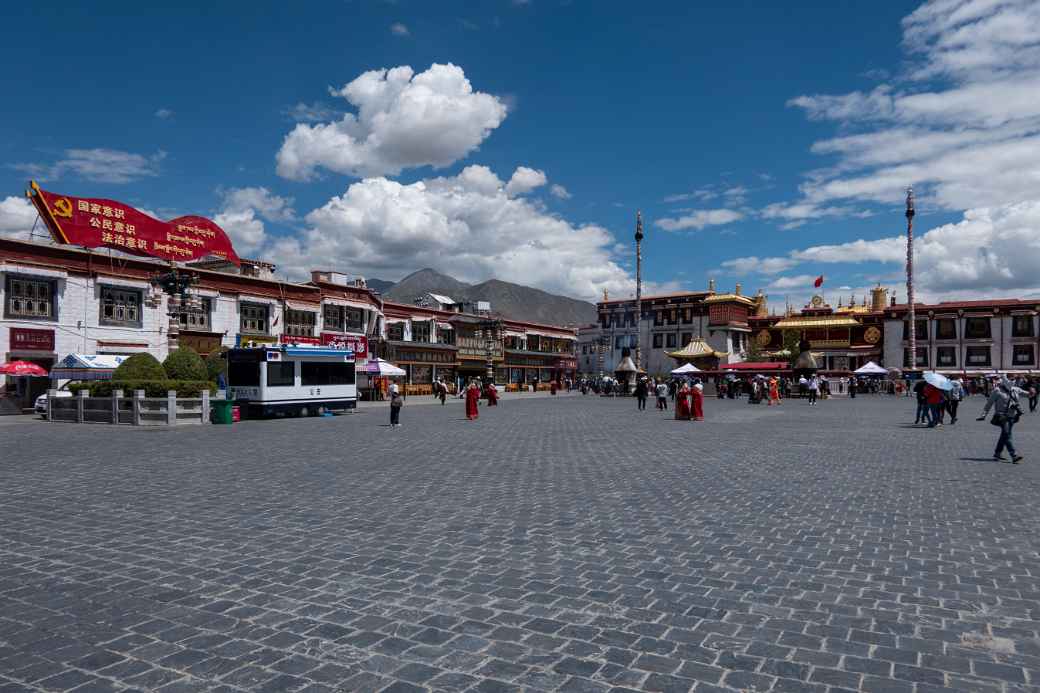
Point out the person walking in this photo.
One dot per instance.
(953, 400)
(934, 399)
(641, 393)
(1006, 413)
(922, 403)
(682, 403)
(814, 390)
(472, 400)
(492, 395)
(442, 391)
(774, 391)
(396, 402)
(1034, 395)
(853, 386)
(697, 401)
(662, 396)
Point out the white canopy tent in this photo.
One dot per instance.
(384, 368)
(686, 368)
(871, 368)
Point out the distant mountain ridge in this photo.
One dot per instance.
(511, 300)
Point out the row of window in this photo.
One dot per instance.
(668, 316)
(34, 299)
(422, 333)
(974, 328)
(974, 357)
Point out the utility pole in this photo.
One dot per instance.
(912, 315)
(639, 285)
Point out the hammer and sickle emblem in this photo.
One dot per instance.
(63, 208)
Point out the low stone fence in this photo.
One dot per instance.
(133, 411)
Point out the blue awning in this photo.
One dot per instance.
(311, 351)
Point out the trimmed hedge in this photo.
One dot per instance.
(185, 364)
(140, 367)
(152, 388)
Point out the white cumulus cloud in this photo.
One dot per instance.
(17, 216)
(98, 165)
(558, 191)
(403, 120)
(524, 180)
(468, 225)
(243, 213)
(699, 219)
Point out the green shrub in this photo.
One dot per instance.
(216, 363)
(152, 388)
(185, 364)
(140, 367)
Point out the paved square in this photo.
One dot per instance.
(567, 544)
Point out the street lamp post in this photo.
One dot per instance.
(174, 284)
(912, 314)
(639, 285)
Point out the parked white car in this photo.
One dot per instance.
(40, 405)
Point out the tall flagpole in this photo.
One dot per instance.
(912, 316)
(639, 283)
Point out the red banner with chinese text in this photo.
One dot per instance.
(100, 223)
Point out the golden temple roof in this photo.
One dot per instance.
(719, 298)
(816, 321)
(697, 348)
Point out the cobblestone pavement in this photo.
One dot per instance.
(570, 544)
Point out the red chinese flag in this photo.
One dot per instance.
(99, 223)
(819, 282)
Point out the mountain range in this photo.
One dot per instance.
(510, 300)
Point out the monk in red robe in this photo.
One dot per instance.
(697, 395)
(492, 395)
(682, 403)
(472, 398)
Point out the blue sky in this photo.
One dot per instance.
(705, 117)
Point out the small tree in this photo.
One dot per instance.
(140, 367)
(216, 363)
(185, 364)
(791, 340)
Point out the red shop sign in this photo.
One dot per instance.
(347, 341)
(31, 340)
(98, 223)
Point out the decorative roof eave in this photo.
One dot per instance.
(697, 348)
(824, 321)
(729, 298)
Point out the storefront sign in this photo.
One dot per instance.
(23, 339)
(358, 343)
(244, 339)
(566, 364)
(295, 339)
(203, 344)
(100, 223)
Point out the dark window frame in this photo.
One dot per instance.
(945, 322)
(942, 351)
(970, 362)
(1017, 349)
(201, 319)
(658, 341)
(1017, 321)
(970, 333)
(242, 318)
(51, 301)
(136, 305)
(327, 373)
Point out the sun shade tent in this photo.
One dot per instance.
(383, 368)
(871, 368)
(87, 367)
(688, 368)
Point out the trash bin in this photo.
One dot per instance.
(221, 409)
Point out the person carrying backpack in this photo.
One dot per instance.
(396, 401)
(1006, 413)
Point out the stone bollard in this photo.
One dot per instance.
(171, 407)
(81, 401)
(116, 396)
(138, 406)
(52, 394)
(205, 406)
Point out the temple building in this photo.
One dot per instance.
(842, 339)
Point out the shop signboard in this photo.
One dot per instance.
(200, 343)
(297, 339)
(565, 364)
(245, 339)
(357, 343)
(100, 223)
(25, 339)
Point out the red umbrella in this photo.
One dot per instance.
(22, 368)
